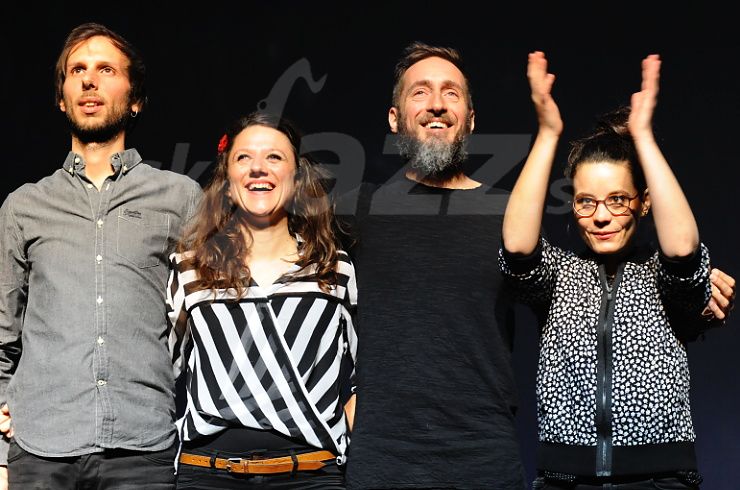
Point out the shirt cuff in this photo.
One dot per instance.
(523, 263)
(682, 266)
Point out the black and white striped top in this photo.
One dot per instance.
(270, 360)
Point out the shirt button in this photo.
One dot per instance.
(100, 222)
(77, 159)
(101, 382)
(99, 258)
(89, 186)
(101, 341)
(100, 300)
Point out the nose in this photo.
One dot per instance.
(602, 214)
(257, 166)
(89, 80)
(437, 104)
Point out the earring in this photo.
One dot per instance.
(134, 113)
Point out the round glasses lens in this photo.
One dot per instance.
(616, 207)
(584, 208)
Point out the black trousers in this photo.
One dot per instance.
(662, 483)
(114, 469)
(197, 477)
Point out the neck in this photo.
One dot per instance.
(455, 181)
(97, 157)
(611, 261)
(272, 242)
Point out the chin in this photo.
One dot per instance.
(603, 248)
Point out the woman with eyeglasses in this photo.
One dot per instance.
(613, 376)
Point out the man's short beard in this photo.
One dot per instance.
(434, 157)
(101, 133)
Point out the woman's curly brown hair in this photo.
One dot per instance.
(214, 242)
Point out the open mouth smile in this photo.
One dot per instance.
(436, 125)
(260, 187)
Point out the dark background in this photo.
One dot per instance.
(210, 61)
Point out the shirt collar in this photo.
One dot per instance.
(122, 161)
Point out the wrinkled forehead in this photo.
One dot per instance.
(433, 71)
(97, 48)
(603, 177)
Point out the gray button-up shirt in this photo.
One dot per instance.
(82, 289)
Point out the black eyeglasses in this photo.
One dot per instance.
(616, 204)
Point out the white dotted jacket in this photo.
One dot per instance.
(613, 369)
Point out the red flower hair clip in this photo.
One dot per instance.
(222, 144)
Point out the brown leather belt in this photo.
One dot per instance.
(287, 464)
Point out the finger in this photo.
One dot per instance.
(712, 311)
(721, 299)
(723, 278)
(724, 289)
(651, 72)
(534, 62)
(535, 72)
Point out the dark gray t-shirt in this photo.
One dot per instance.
(436, 395)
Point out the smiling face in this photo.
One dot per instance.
(603, 232)
(262, 174)
(96, 90)
(433, 102)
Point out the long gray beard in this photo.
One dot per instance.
(434, 157)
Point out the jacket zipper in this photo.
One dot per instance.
(604, 373)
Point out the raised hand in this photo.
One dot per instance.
(523, 217)
(541, 82)
(643, 102)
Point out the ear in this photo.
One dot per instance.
(472, 120)
(62, 106)
(135, 108)
(393, 119)
(645, 202)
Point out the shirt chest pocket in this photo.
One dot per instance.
(142, 237)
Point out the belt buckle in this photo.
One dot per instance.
(237, 462)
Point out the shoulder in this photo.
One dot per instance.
(344, 263)
(33, 190)
(347, 202)
(569, 255)
(182, 260)
(178, 257)
(144, 170)
(182, 268)
(344, 258)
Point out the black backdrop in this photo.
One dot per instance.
(329, 69)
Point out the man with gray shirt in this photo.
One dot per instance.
(85, 373)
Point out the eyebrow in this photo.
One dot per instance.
(268, 150)
(612, 193)
(71, 63)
